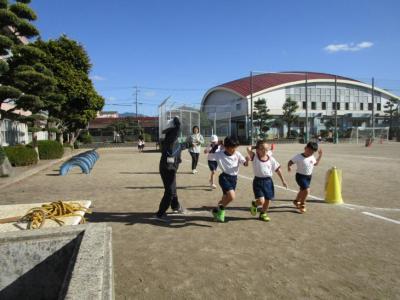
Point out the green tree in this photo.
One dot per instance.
(25, 73)
(289, 108)
(126, 126)
(261, 116)
(391, 110)
(70, 65)
(15, 29)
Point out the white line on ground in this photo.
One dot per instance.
(345, 205)
(380, 217)
(370, 207)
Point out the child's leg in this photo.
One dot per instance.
(228, 198)
(265, 205)
(304, 195)
(212, 177)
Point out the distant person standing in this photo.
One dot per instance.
(195, 141)
(141, 143)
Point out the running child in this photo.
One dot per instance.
(264, 165)
(229, 161)
(211, 149)
(305, 163)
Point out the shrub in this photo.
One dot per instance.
(147, 137)
(50, 150)
(86, 138)
(2, 155)
(21, 155)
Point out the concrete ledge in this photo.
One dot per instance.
(57, 263)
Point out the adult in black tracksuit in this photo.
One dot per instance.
(169, 164)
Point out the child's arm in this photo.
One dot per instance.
(207, 149)
(246, 163)
(250, 152)
(289, 165)
(281, 177)
(319, 157)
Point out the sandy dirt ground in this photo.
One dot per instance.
(346, 251)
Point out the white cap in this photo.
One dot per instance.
(214, 138)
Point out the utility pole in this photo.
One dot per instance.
(136, 102)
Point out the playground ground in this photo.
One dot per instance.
(346, 251)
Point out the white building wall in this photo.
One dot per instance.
(13, 132)
(224, 102)
(275, 100)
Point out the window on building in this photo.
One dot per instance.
(304, 105)
(314, 105)
(323, 105)
(361, 106)
(347, 106)
(378, 106)
(369, 106)
(336, 105)
(238, 106)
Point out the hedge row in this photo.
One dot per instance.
(2, 155)
(50, 150)
(21, 155)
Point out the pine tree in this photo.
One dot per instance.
(289, 108)
(261, 116)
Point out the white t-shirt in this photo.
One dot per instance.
(211, 156)
(264, 168)
(229, 164)
(305, 165)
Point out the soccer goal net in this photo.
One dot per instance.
(361, 134)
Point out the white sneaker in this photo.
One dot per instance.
(194, 171)
(213, 186)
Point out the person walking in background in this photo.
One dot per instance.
(195, 141)
(169, 164)
(211, 149)
(140, 143)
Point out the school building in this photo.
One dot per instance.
(320, 97)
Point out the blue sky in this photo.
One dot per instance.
(181, 48)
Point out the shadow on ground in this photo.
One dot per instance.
(192, 187)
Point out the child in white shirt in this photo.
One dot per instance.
(228, 161)
(305, 163)
(211, 149)
(264, 165)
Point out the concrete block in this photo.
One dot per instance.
(57, 263)
(6, 169)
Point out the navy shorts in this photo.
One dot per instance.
(227, 182)
(263, 187)
(212, 164)
(303, 181)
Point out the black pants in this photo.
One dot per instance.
(170, 197)
(195, 159)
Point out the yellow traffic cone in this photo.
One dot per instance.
(333, 189)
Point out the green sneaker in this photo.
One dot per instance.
(253, 208)
(264, 217)
(219, 215)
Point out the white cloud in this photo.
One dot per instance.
(352, 47)
(97, 78)
(150, 94)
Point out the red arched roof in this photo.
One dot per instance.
(268, 80)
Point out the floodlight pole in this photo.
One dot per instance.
(336, 107)
(251, 107)
(306, 92)
(373, 108)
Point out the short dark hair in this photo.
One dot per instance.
(194, 127)
(260, 142)
(312, 145)
(231, 141)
